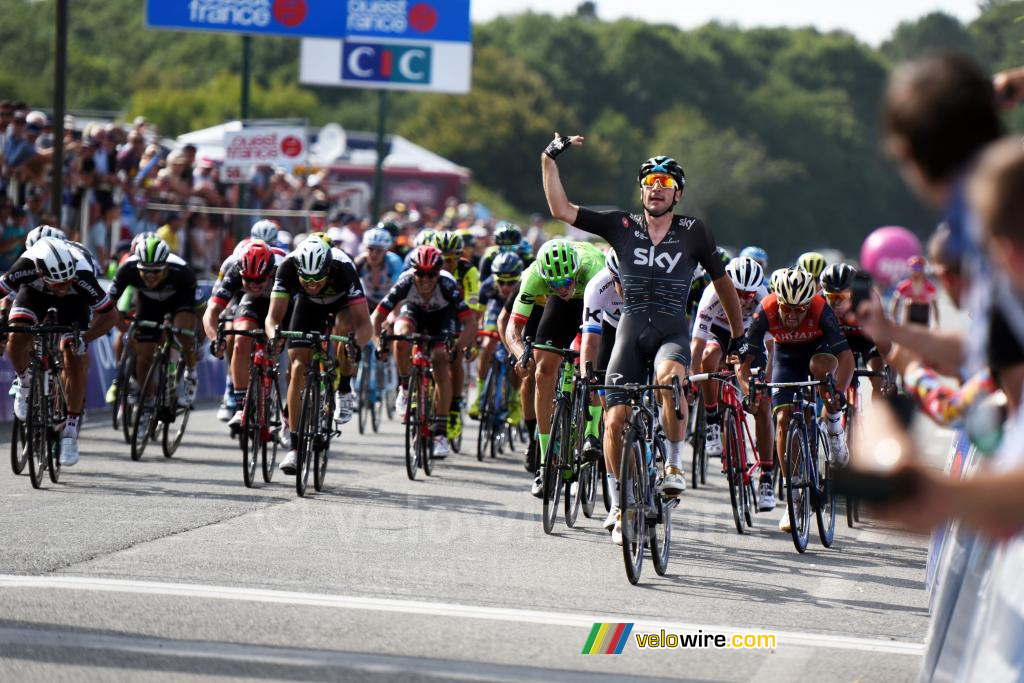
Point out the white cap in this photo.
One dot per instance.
(335, 234)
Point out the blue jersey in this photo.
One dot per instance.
(376, 288)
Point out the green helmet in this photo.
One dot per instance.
(448, 242)
(812, 262)
(558, 260)
(426, 236)
(152, 252)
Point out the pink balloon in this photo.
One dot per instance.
(885, 252)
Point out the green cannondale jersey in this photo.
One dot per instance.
(534, 287)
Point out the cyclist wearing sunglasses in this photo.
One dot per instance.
(658, 253)
(711, 338)
(53, 274)
(837, 287)
(494, 292)
(431, 304)
(320, 287)
(378, 268)
(559, 277)
(250, 278)
(163, 284)
(807, 341)
(468, 278)
(508, 238)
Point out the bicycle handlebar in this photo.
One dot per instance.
(39, 329)
(165, 326)
(314, 337)
(635, 388)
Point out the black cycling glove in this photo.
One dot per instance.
(557, 146)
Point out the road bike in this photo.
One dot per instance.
(740, 458)
(262, 422)
(495, 433)
(808, 468)
(419, 408)
(646, 515)
(316, 418)
(40, 435)
(375, 382)
(158, 406)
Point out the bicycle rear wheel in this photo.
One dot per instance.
(661, 531)
(825, 509)
(252, 435)
(798, 495)
(376, 395)
(308, 425)
(58, 414)
(698, 475)
(19, 446)
(38, 434)
(733, 473)
(632, 494)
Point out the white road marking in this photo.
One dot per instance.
(185, 590)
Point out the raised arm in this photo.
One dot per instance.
(560, 206)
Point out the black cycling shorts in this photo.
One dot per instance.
(183, 300)
(919, 313)
(308, 316)
(637, 342)
(31, 305)
(792, 363)
(604, 350)
(253, 308)
(560, 322)
(863, 348)
(438, 322)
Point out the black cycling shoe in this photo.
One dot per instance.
(591, 449)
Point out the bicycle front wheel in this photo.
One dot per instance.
(38, 434)
(323, 443)
(308, 426)
(798, 495)
(698, 475)
(427, 424)
(661, 530)
(19, 446)
(363, 382)
(825, 509)
(552, 465)
(143, 429)
(275, 427)
(484, 433)
(252, 434)
(412, 426)
(733, 470)
(174, 430)
(588, 488)
(632, 494)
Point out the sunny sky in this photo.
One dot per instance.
(870, 20)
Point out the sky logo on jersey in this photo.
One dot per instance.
(380, 63)
(647, 257)
(607, 639)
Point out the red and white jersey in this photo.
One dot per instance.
(923, 293)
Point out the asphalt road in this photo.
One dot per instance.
(172, 569)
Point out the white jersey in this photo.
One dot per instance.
(601, 303)
(711, 312)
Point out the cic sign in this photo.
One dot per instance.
(422, 45)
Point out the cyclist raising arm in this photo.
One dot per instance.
(658, 252)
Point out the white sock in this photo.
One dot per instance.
(834, 424)
(613, 489)
(71, 426)
(675, 454)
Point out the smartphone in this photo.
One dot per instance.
(861, 289)
(873, 487)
